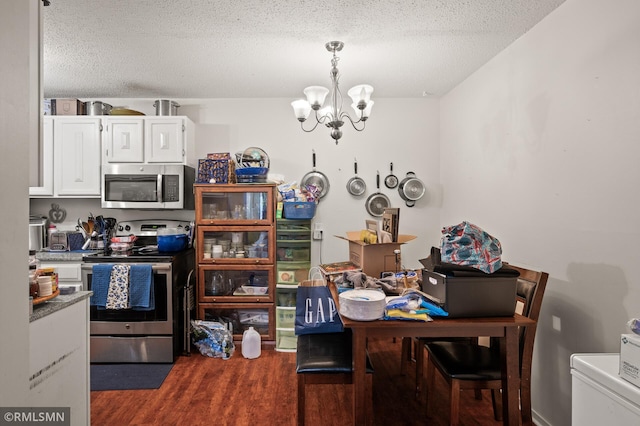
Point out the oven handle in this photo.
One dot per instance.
(154, 267)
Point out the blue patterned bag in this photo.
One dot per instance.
(468, 245)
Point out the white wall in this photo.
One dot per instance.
(402, 131)
(17, 24)
(540, 147)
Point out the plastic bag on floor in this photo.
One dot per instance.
(212, 339)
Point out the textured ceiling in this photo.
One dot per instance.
(265, 49)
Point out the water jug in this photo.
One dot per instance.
(251, 343)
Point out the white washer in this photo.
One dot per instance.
(599, 395)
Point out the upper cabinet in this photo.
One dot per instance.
(74, 148)
(124, 140)
(76, 159)
(149, 140)
(45, 162)
(71, 148)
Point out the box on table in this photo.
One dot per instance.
(466, 296)
(67, 107)
(374, 258)
(630, 358)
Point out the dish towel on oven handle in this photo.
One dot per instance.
(100, 276)
(118, 293)
(141, 288)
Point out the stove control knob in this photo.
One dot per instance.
(127, 228)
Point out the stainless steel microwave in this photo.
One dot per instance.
(148, 186)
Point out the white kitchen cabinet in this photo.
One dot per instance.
(123, 140)
(76, 159)
(45, 157)
(69, 272)
(148, 140)
(71, 149)
(59, 358)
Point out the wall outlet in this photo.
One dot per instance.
(556, 323)
(317, 231)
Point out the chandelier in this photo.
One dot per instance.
(332, 115)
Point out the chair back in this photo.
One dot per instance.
(529, 291)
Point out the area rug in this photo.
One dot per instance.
(128, 376)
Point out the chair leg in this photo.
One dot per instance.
(301, 405)
(419, 355)
(496, 400)
(405, 358)
(430, 382)
(455, 403)
(369, 392)
(525, 405)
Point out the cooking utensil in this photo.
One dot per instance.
(391, 181)
(166, 107)
(377, 202)
(411, 189)
(37, 232)
(356, 185)
(97, 108)
(82, 229)
(316, 178)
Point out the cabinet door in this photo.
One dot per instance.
(164, 140)
(77, 157)
(239, 317)
(235, 245)
(235, 284)
(234, 204)
(45, 174)
(124, 140)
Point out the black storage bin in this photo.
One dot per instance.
(476, 295)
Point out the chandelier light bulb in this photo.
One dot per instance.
(302, 109)
(316, 96)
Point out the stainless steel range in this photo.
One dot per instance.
(156, 333)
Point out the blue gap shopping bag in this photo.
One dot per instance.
(316, 311)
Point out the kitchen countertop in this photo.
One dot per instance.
(74, 255)
(58, 303)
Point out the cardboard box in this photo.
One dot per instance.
(374, 258)
(68, 107)
(630, 358)
(465, 296)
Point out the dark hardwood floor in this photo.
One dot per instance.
(262, 391)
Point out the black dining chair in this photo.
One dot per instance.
(326, 359)
(473, 366)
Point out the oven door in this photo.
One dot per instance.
(127, 335)
(135, 322)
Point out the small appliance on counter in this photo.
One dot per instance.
(37, 232)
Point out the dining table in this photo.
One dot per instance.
(505, 328)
